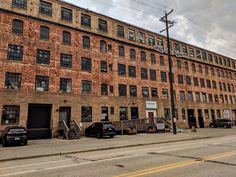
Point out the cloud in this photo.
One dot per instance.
(208, 24)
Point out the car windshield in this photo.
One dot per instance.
(108, 126)
(17, 130)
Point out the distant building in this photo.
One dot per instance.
(62, 62)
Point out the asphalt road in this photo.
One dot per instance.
(214, 157)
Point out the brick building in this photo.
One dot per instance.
(62, 62)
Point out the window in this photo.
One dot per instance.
(182, 95)
(123, 113)
(186, 66)
(163, 76)
(200, 69)
(66, 61)
(134, 113)
(143, 56)
(210, 97)
(204, 98)
(19, 4)
(162, 61)
(103, 46)
(216, 59)
(198, 54)
(188, 80)
(132, 54)
(191, 52)
(120, 31)
(220, 61)
(214, 85)
(216, 98)
(142, 38)
(121, 70)
(206, 114)
(133, 91)
(17, 26)
(13, 81)
(226, 99)
(206, 70)
(85, 20)
(86, 87)
(220, 85)
(10, 114)
(179, 64)
(102, 25)
(104, 89)
(66, 38)
(184, 49)
(131, 35)
(153, 58)
(153, 74)
(44, 32)
(195, 80)
(121, 51)
(222, 98)
(154, 92)
(145, 92)
(151, 40)
(86, 64)
(193, 68)
(198, 99)
(103, 66)
(42, 83)
(212, 72)
(204, 56)
(167, 115)
(43, 57)
(122, 90)
(132, 71)
(86, 114)
(180, 79)
(208, 83)
(177, 48)
(111, 88)
(165, 94)
(190, 96)
(160, 43)
(65, 85)
(66, 14)
(15, 52)
(144, 74)
(202, 82)
(218, 114)
(86, 42)
(45, 8)
(210, 58)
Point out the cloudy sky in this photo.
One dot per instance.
(209, 24)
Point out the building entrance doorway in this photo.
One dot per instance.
(39, 121)
(65, 115)
(191, 118)
(200, 119)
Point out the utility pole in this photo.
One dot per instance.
(169, 24)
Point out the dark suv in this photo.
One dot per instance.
(101, 129)
(14, 134)
(225, 123)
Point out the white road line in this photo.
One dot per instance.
(18, 173)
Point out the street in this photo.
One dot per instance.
(199, 158)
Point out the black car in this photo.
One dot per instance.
(14, 134)
(101, 129)
(225, 123)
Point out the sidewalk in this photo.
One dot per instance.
(51, 147)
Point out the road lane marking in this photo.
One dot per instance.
(175, 165)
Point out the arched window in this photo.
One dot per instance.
(103, 46)
(86, 42)
(17, 26)
(132, 54)
(104, 90)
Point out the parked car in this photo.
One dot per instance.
(225, 123)
(101, 129)
(14, 134)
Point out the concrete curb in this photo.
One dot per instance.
(102, 149)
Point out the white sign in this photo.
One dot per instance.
(151, 104)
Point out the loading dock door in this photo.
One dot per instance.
(39, 119)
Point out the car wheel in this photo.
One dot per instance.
(4, 143)
(26, 142)
(111, 136)
(225, 126)
(99, 135)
